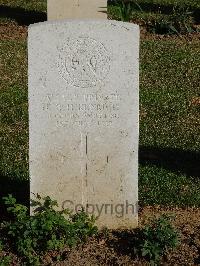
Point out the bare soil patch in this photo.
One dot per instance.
(117, 247)
(12, 31)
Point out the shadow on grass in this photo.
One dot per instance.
(174, 160)
(19, 189)
(126, 242)
(22, 16)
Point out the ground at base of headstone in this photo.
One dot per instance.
(117, 247)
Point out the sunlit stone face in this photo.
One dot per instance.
(83, 117)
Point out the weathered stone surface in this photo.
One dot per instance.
(77, 9)
(83, 116)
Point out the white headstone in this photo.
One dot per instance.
(83, 116)
(77, 9)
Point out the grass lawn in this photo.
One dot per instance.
(170, 125)
(37, 5)
(169, 172)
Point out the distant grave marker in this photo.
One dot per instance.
(83, 116)
(76, 9)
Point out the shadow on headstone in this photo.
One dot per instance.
(18, 188)
(105, 12)
(175, 160)
(22, 16)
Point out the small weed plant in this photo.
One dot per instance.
(180, 19)
(48, 229)
(179, 22)
(158, 237)
(5, 261)
(124, 10)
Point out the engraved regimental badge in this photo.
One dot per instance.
(83, 62)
